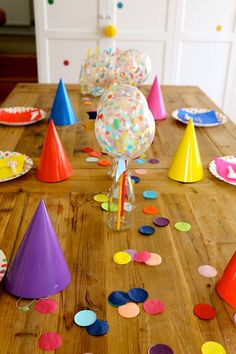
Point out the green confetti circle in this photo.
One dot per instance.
(182, 226)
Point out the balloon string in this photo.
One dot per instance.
(123, 194)
(119, 202)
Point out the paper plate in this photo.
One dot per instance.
(28, 163)
(21, 115)
(220, 117)
(213, 169)
(3, 264)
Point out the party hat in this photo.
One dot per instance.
(226, 286)
(62, 111)
(39, 268)
(186, 165)
(54, 165)
(155, 101)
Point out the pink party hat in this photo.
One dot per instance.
(39, 268)
(155, 101)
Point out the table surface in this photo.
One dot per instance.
(88, 244)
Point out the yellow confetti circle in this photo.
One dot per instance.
(121, 257)
(100, 198)
(212, 348)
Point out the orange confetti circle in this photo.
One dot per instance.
(129, 310)
(150, 210)
(104, 163)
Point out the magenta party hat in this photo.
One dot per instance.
(39, 268)
(155, 101)
(62, 112)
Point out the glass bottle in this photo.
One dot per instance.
(83, 84)
(121, 203)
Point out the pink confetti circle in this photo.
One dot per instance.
(142, 256)
(50, 341)
(46, 306)
(153, 306)
(207, 271)
(141, 171)
(154, 260)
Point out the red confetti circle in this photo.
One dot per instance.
(86, 149)
(66, 62)
(50, 341)
(204, 311)
(46, 306)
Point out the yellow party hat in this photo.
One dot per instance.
(186, 165)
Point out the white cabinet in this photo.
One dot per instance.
(190, 42)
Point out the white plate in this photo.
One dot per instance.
(19, 116)
(213, 169)
(3, 264)
(220, 117)
(28, 163)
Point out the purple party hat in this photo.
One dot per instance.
(39, 268)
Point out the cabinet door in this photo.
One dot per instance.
(202, 45)
(148, 26)
(64, 32)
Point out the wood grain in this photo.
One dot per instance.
(88, 244)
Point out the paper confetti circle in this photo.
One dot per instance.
(50, 341)
(182, 226)
(85, 318)
(153, 306)
(160, 349)
(131, 253)
(142, 256)
(150, 210)
(118, 298)
(141, 171)
(150, 194)
(154, 260)
(100, 198)
(207, 271)
(138, 294)
(121, 257)
(136, 179)
(212, 348)
(146, 230)
(98, 328)
(204, 311)
(92, 159)
(113, 207)
(46, 306)
(129, 310)
(160, 221)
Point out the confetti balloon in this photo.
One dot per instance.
(122, 91)
(100, 70)
(132, 67)
(124, 128)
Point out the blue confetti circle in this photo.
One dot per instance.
(146, 230)
(136, 179)
(98, 328)
(118, 298)
(85, 318)
(150, 194)
(138, 294)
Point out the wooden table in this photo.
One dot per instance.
(88, 244)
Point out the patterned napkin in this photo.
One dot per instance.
(226, 169)
(200, 118)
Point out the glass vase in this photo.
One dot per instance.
(121, 203)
